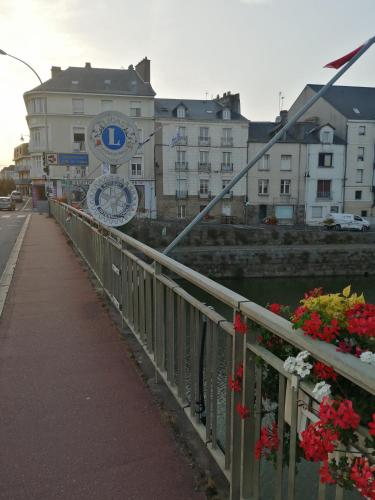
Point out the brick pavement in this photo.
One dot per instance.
(76, 420)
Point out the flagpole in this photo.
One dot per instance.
(264, 150)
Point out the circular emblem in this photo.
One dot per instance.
(111, 200)
(113, 137)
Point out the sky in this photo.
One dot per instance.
(197, 48)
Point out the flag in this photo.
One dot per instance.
(340, 62)
(176, 139)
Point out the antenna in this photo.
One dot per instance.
(281, 100)
(206, 95)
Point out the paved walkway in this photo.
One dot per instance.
(76, 420)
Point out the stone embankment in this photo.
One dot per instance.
(220, 251)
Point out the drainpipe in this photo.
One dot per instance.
(345, 165)
(247, 181)
(298, 182)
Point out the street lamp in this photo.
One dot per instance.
(3, 53)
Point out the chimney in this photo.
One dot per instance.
(143, 69)
(55, 70)
(232, 101)
(283, 116)
(88, 65)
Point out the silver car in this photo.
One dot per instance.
(6, 203)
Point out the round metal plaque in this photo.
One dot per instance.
(112, 200)
(113, 137)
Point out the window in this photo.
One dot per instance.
(324, 189)
(316, 212)
(325, 159)
(78, 106)
(203, 157)
(326, 137)
(227, 158)
(136, 167)
(224, 183)
(79, 139)
(203, 132)
(364, 213)
(181, 212)
(263, 185)
(361, 153)
(182, 187)
(359, 175)
(285, 186)
(226, 114)
(227, 139)
(140, 134)
(37, 137)
(38, 161)
(286, 162)
(181, 112)
(182, 132)
(264, 163)
(37, 105)
(106, 104)
(358, 195)
(362, 130)
(181, 156)
(135, 108)
(334, 209)
(203, 186)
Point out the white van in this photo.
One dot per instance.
(346, 221)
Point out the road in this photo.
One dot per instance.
(10, 226)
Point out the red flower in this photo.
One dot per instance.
(325, 474)
(326, 411)
(298, 313)
(268, 441)
(361, 320)
(330, 331)
(371, 425)
(234, 385)
(324, 372)
(346, 417)
(344, 347)
(275, 308)
(239, 372)
(242, 410)
(317, 441)
(312, 325)
(363, 475)
(315, 292)
(239, 326)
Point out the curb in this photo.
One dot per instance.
(7, 275)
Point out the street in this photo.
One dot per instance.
(10, 226)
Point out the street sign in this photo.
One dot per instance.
(112, 200)
(113, 137)
(73, 159)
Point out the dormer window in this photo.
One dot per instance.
(226, 114)
(180, 112)
(326, 135)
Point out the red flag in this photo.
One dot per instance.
(340, 62)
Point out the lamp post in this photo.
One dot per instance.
(3, 53)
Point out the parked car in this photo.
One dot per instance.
(6, 203)
(16, 195)
(339, 221)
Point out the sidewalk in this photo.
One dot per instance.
(76, 420)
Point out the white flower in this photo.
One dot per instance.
(303, 369)
(290, 364)
(301, 356)
(368, 357)
(321, 390)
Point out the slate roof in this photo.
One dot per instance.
(98, 80)
(346, 99)
(200, 110)
(301, 132)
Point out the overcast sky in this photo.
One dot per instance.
(255, 47)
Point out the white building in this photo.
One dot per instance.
(64, 105)
(200, 146)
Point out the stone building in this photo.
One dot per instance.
(200, 145)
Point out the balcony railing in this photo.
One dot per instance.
(204, 194)
(204, 166)
(182, 141)
(204, 141)
(323, 195)
(22, 168)
(181, 193)
(227, 167)
(181, 165)
(22, 182)
(227, 141)
(192, 346)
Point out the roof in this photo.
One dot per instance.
(196, 109)
(355, 103)
(99, 81)
(300, 132)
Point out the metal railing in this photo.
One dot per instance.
(204, 166)
(227, 141)
(194, 348)
(227, 167)
(181, 165)
(204, 140)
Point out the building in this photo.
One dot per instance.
(23, 167)
(59, 111)
(200, 145)
(300, 179)
(351, 110)
(8, 173)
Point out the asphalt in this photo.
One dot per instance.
(76, 419)
(10, 226)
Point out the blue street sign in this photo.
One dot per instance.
(73, 159)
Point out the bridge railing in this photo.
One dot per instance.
(195, 348)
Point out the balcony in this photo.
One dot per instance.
(181, 166)
(228, 196)
(182, 140)
(204, 166)
(227, 141)
(204, 141)
(22, 168)
(23, 182)
(323, 195)
(204, 194)
(181, 194)
(227, 167)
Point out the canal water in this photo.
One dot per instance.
(286, 291)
